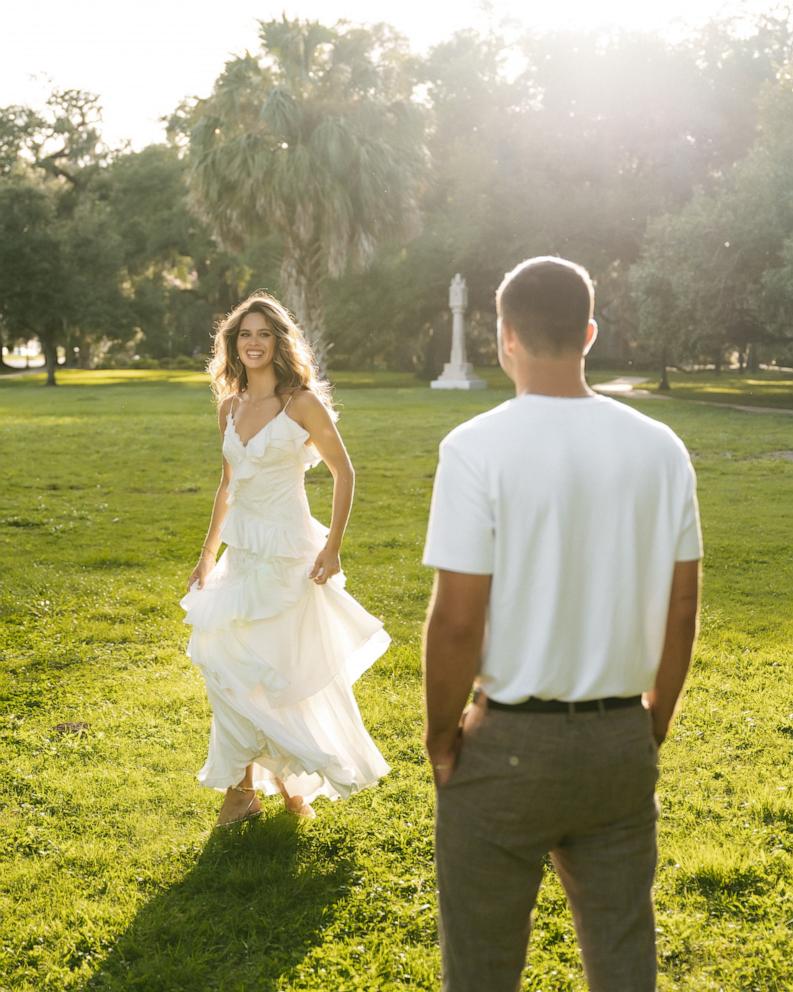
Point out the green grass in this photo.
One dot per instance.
(111, 876)
(771, 389)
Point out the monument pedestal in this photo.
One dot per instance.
(458, 377)
(457, 373)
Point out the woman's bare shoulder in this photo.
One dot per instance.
(301, 398)
(223, 411)
(308, 410)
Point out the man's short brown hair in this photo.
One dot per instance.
(548, 302)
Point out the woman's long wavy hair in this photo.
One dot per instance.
(293, 361)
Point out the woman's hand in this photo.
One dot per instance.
(201, 571)
(327, 564)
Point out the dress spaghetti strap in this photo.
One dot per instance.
(291, 395)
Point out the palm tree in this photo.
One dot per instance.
(318, 140)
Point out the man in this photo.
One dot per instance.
(565, 530)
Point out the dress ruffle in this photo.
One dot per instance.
(243, 528)
(253, 594)
(317, 745)
(281, 434)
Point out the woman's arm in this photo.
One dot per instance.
(211, 544)
(309, 411)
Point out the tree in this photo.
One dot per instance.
(63, 142)
(109, 220)
(723, 257)
(59, 252)
(92, 304)
(32, 279)
(178, 279)
(664, 331)
(554, 159)
(317, 140)
(58, 275)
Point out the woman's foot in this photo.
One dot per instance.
(241, 803)
(295, 804)
(299, 807)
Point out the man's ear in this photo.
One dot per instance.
(591, 335)
(508, 338)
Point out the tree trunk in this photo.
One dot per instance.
(50, 359)
(301, 289)
(70, 360)
(752, 358)
(664, 385)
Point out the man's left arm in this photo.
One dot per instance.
(453, 638)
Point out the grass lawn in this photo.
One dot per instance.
(772, 389)
(111, 876)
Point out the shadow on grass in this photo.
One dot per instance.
(256, 902)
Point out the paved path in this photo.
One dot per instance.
(784, 411)
(16, 372)
(625, 388)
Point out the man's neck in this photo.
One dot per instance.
(543, 376)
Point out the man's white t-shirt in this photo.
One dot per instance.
(579, 509)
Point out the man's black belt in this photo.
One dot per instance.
(532, 705)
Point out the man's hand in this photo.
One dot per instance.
(443, 757)
(444, 754)
(660, 720)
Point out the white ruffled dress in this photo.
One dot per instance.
(278, 652)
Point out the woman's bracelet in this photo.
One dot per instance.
(206, 552)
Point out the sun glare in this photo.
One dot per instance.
(582, 14)
(183, 55)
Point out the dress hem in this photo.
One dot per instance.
(266, 783)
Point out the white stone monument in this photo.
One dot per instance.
(457, 373)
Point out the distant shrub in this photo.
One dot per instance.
(186, 362)
(195, 363)
(180, 362)
(116, 360)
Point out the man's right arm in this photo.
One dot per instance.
(681, 631)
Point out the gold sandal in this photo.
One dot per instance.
(304, 809)
(248, 814)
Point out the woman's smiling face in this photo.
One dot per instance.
(255, 341)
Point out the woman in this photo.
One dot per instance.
(277, 638)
